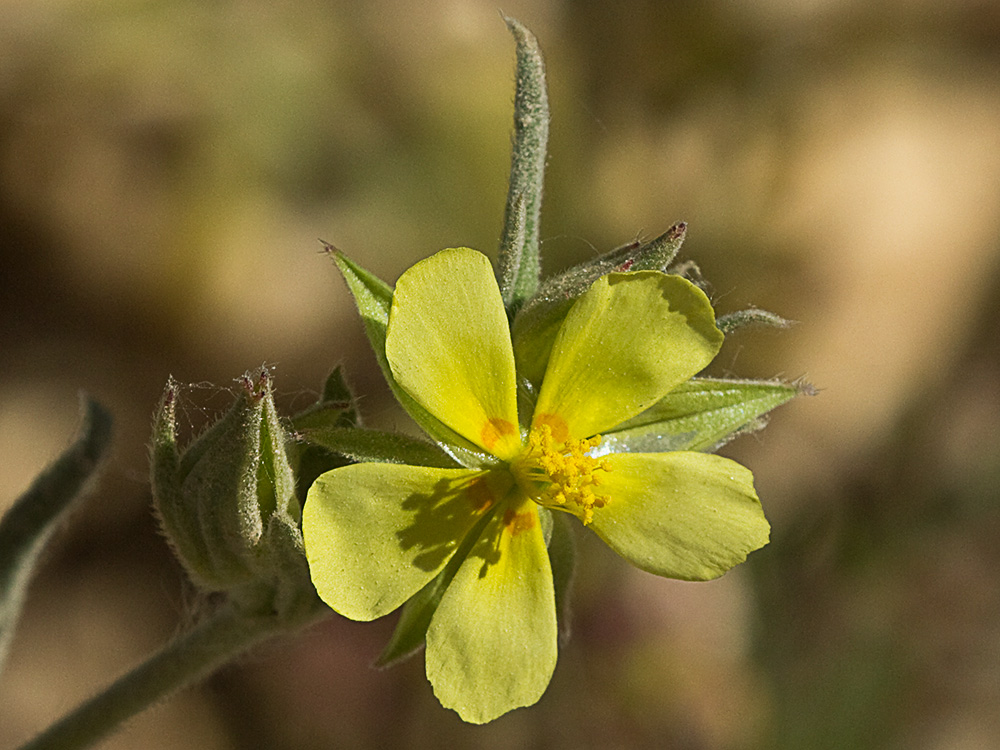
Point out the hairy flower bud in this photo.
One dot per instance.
(227, 502)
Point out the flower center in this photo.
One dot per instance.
(560, 475)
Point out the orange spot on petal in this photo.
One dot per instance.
(518, 522)
(495, 430)
(479, 494)
(560, 430)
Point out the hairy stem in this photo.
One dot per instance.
(191, 657)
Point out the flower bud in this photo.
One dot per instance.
(227, 502)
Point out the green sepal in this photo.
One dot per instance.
(337, 391)
(700, 415)
(414, 619)
(658, 253)
(750, 317)
(537, 322)
(309, 463)
(28, 525)
(290, 590)
(415, 615)
(220, 489)
(562, 558)
(519, 257)
(177, 511)
(275, 490)
(533, 333)
(373, 298)
(335, 407)
(360, 444)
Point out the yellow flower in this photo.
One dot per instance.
(474, 540)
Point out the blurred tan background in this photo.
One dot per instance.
(167, 167)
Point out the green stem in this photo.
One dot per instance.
(191, 657)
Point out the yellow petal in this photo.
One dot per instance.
(625, 343)
(492, 643)
(448, 346)
(681, 515)
(376, 533)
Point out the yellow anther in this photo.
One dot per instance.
(562, 475)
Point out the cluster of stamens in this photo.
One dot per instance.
(562, 475)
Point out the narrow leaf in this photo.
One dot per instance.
(374, 299)
(417, 612)
(519, 257)
(562, 557)
(380, 447)
(699, 415)
(511, 252)
(30, 522)
(751, 317)
(335, 406)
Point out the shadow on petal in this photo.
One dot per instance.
(449, 505)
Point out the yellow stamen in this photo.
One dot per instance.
(560, 474)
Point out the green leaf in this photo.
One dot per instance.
(751, 317)
(336, 390)
(29, 524)
(336, 406)
(492, 643)
(562, 558)
(626, 343)
(533, 333)
(360, 444)
(448, 346)
(537, 322)
(374, 300)
(682, 515)
(375, 534)
(699, 415)
(416, 614)
(519, 257)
